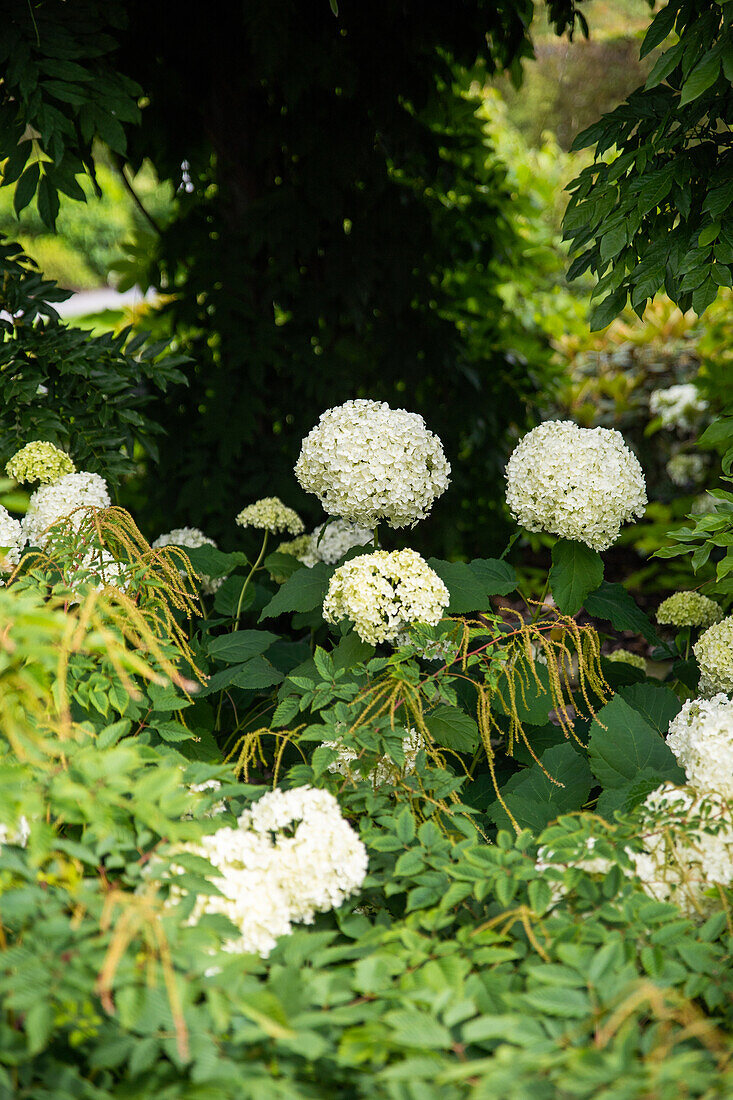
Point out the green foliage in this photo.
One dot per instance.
(576, 572)
(85, 394)
(655, 215)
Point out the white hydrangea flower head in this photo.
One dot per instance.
(367, 462)
(51, 503)
(385, 770)
(319, 860)
(701, 737)
(329, 542)
(383, 593)
(39, 461)
(191, 537)
(97, 569)
(686, 469)
(703, 505)
(626, 657)
(679, 406)
(687, 849)
(578, 483)
(689, 609)
(11, 536)
(290, 856)
(714, 653)
(270, 514)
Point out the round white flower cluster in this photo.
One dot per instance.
(331, 541)
(11, 536)
(190, 537)
(688, 609)
(383, 593)
(678, 406)
(337, 539)
(270, 514)
(385, 770)
(686, 469)
(626, 657)
(714, 653)
(39, 461)
(51, 503)
(688, 848)
(291, 855)
(701, 737)
(367, 462)
(578, 483)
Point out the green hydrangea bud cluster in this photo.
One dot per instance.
(270, 514)
(626, 657)
(39, 461)
(689, 609)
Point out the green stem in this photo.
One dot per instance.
(251, 573)
(376, 536)
(538, 610)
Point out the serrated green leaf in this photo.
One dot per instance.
(241, 645)
(453, 728)
(576, 571)
(304, 591)
(622, 743)
(613, 603)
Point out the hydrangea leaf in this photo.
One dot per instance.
(614, 604)
(304, 591)
(453, 728)
(241, 645)
(576, 571)
(532, 796)
(622, 743)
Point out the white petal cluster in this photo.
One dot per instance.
(701, 737)
(270, 514)
(190, 537)
(18, 836)
(331, 541)
(626, 657)
(383, 593)
(688, 609)
(11, 536)
(367, 462)
(678, 406)
(39, 461)
(51, 503)
(385, 770)
(687, 850)
(291, 855)
(714, 653)
(579, 483)
(686, 469)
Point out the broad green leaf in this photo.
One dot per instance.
(603, 313)
(657, 704)
(622, 743)
(241, 645)
(282, 565)
(576, 571)
(304, 591)
(226, 600)
(535, 800)
(453, 728)
(660, 27)
(467, 592)
(625, 798)
(497, 577)
(702, 76)
(613, 603)
(211, 562)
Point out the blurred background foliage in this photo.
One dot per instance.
(335, 209)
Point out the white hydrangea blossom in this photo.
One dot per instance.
(679, 406)
(385, 770)
(51, 503)
(39, 461)
(579, 483)
(687, 848)
(383, 593)
(689, 609)
(11, 536)
(270, 514)
(701, 737)
(714, 653)
(337, 539)
(686, 469)
(626, 657)
(97, 569)
(291, 855)
(191, 537)
(367, 462)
